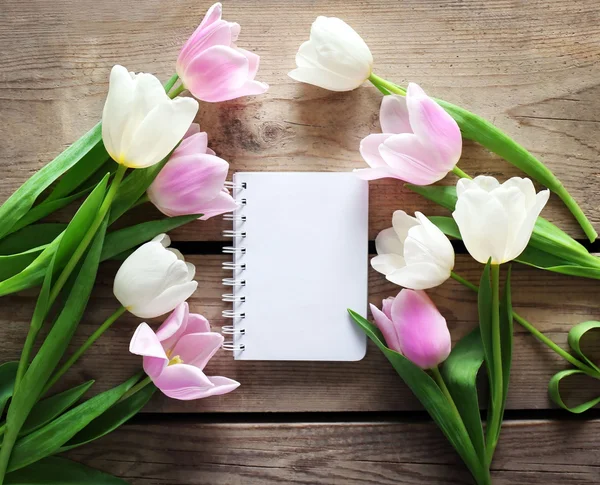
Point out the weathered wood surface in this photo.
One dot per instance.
(374, 453)
(530, 67)
(554, 303)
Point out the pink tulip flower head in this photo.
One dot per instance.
(212, 67)
(192, 181)
(175, 356)
(420, 142)
(412, 325)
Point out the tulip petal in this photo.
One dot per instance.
(411, 161)
(386, 306)
(146, 343)
(434, 126)
(221, 385)
(166, 301)
(393, 115)
(386, 327)
(430, 240)
(419, 276)
(221, 204)
(195, 143)
(179, 379)
(423, 331)
(174, 326)
(524, 233)
(387, 241)
(387, 263)
(197, 348)
(402, 223)
(116, 112)
(374, 173)
(369, 149)
(249, 88)
(160, 131)
(197, 323)
(525, 186)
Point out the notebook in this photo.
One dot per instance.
(299, 261)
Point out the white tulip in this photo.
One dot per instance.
(496, 221)
(154, 279)
(335, 57)
(140, 123)
(414, 253)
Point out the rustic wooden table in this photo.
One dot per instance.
(532, 68)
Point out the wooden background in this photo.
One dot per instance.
(531, 67)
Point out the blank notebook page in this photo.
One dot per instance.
(306, 263)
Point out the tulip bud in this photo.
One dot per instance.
(414, 327)
(420, 142)
(154, 279)
(414, 253)
(212, 67)
(335, 57)
(192, 181)
(496, 221)
(140, 123)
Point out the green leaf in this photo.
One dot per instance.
(48, 440)
(444, 195)
(576, 334)
(24, 197)
(112, 418)
(13, 264)
(61, 248)
(447, 225)
(460, 374)
(432, 398)
(44, 209)
(484, 304)
(133, 187)
(554, 391)
(30, 237)
(54, 346)
(59, 471)
(119, 241)
(8, 372)
(77, 175)
(48, 409)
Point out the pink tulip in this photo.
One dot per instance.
(175, 356)
(420, 142)
(192, 180)
(412, 325)
(212, 67)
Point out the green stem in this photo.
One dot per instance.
(171, 82)
(81, 350)
(36, 325)
(583, 221)
(138, 387)
(536, 333)
(178, 90)
(460, 174)
(496, 384)
(391, 87)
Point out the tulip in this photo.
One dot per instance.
(175, 356)
(496, 221)
(335, 57)
(420, 142)
(140, 123)
(414, 253)
(212, 67)
(413, 326)
(154, 279)
(192, 181)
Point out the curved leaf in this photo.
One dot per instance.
(48, 409)
(48, 440)
(24, 197)
(8, 372)
(30, 237)
(432, 398)
(554, 391)
(13, 264)
(59, 471)
(112, 418)
(460, 374)
(576, 334)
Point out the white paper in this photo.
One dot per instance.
(306, 263)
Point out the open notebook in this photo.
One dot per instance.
(300, 259)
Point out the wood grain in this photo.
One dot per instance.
(530, 67)
(554, 303)
(374, 453)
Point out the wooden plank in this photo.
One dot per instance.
(530, 67)
(381, 453)
(554, 303)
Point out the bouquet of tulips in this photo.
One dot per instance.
(146, 149)
(420, 143)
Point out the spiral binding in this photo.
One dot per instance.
(237, 267)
